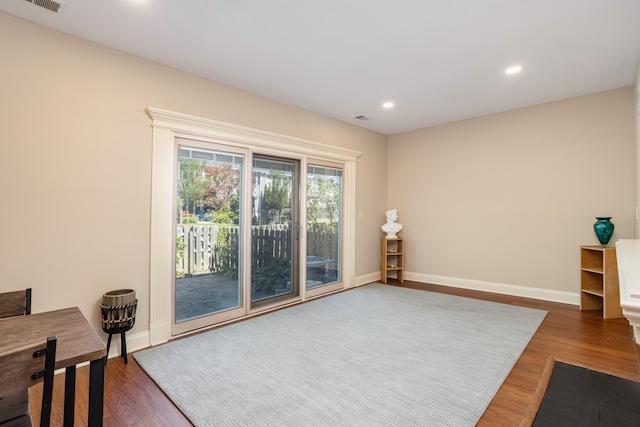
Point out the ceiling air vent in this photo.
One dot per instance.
(52, 5)
(361, 117)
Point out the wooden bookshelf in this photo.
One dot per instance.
(599, 288)
(392, 259)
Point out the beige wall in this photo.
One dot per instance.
(637, 154)
(509, 198)
(75, 168)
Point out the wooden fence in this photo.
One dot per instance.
(209, 248)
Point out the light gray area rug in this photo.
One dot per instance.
(377, 355)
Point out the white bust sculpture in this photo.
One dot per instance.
(392, 228)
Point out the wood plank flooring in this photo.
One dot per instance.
(578, 337)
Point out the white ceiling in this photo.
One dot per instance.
(439, 61)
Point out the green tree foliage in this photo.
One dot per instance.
(192, 184)
(234, 207)
(214, 188)
(228, 214)
(323, 196)
(276, 195)
(227, 252)
(180, 245)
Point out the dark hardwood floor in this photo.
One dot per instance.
(578, 337)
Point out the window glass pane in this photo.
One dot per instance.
(272, 241)
(324, 212)
(208, 233)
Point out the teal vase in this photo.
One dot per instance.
(604, 229)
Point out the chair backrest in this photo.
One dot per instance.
(25, 366)
(15, 303)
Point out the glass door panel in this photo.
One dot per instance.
(324, 213)
(208, 243)
(273, 232)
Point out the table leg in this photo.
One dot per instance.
(96, 392)
(69, 395)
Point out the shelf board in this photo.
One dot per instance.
(598, 248)
(594, 270)
(593, 292)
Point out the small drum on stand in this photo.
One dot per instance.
(118, 316)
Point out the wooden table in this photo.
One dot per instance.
(78, 342)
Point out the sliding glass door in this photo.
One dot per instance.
(324, 228)
(274, 231)
(235, 254)
(208, 261)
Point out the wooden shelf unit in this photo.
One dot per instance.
(599, 288)
(392, 258)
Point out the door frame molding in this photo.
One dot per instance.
(168, 125)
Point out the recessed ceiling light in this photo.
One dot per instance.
(513, 70)
(388, 105)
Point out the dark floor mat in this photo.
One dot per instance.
(578, 396)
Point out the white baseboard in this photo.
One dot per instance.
(134, 343)
(367, 278)
(498, 288)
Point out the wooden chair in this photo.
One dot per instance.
(21, 368)
(16, 303)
